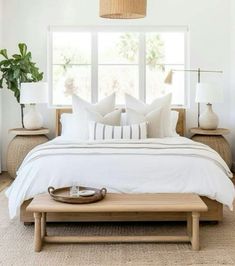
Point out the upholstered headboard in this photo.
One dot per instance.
(180, 125)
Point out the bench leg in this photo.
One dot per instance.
(37, 232)
(189, 224)
(195, 231)
(43, 224)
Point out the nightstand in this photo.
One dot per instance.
(214, 139)
(23, 142)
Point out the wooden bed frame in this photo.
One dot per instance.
(215, 209)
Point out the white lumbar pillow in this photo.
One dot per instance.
(163, 103)
(98, 131)
(153, 118)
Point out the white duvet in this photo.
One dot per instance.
(144, 166)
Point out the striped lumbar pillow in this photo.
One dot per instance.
(98, 131)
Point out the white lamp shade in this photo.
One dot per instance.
(33, 92)
(208, 93)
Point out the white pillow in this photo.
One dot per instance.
(71, 128)
(75, 128)
(174, 121)
(112, 118)
(123, 119)
(153, 118)
(80, 108)
(98, 131)
(103, 107)
(163, 102)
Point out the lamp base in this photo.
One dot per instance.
(33, 119)
(208, 120)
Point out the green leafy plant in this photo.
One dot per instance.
(17, 69)
(128, 47)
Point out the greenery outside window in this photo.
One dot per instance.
(94, 62)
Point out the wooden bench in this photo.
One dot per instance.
(149, 203)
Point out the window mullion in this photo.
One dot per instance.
(142, 67)
(94, 67)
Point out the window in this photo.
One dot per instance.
(94, 62)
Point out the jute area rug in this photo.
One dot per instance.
(16, 244)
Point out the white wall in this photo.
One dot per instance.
(209, 22)
(232, 75)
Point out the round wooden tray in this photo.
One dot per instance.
(63, 195)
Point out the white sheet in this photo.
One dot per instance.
(153, 165)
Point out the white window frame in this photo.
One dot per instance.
(142, 30)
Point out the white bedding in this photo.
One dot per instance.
(145, 166)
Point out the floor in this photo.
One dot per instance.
(16, 243)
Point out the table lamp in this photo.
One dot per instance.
(208, 93)
(33, 93)
(199, 71)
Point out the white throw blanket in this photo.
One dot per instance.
(151, 165)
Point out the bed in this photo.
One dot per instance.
(214, 183)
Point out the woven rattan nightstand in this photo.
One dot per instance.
(24, 141)
(214, 139)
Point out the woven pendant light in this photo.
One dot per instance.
(123, 9)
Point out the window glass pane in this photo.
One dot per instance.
(155, 85)
(118, 48)
(165, 51)
(165, 48)
(118, 66)
(119, 79)
(72, 79)
(71, 48)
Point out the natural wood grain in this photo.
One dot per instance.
(180, 128)
(37, 232)
(43, 224)
(175, 202)
(181, 124)
(195, 231)
(216, 132)
(29, 132)
(189, 224)
(166, 202)
(214, 213)
(115, 239)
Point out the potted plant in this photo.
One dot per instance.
(17, 69)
